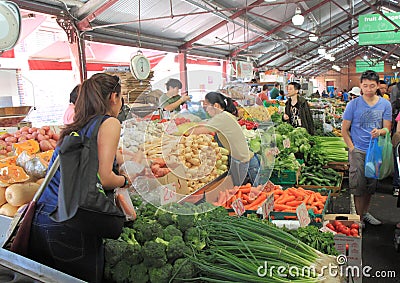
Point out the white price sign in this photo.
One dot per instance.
(238, 207)
(171, 127)
(286, 143)
(268, 206)
(302, 215)
(168, 193)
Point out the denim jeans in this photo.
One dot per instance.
(62, 248)
(240, 170)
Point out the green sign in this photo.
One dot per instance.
(375, 29)
(364, 65)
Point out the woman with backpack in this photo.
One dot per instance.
(55, 244)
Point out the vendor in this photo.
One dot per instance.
(243, 162)
(172, 101)
(297, 111)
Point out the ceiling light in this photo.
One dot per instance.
(365, 57)
(313, 36)
(332, 58)
(398, 64)
(298, 18)
(321, 51)
(393, 67)
(327, 56)
(270, 0)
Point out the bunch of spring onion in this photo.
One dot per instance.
(247, 250)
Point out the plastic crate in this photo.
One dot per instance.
(284, 177)
(279, 215)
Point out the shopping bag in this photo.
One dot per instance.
(18, 233)
(387, 156)
(373, 159)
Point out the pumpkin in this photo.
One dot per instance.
(45, 156)
(30, 146)
(19, 194)
(8, 210)
(11, 160)
(12, 174)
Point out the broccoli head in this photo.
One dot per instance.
(182, 269)
(120, 272)
(184, 221)
(176, 248)
(113, 251)
(147, 231)
(154, 254)
(165, 219)
(196, 237)
(139, 274)
(171, 231)
(160, 274)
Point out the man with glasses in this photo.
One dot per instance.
(364, 117)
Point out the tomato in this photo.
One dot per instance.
(354, 232)
(330, 226)
(346, 230)
(337, 223)
(354, 226)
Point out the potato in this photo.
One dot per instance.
(45, 145)
(8, 210)
(11, 139)
(56, 137)
(19, 194)
(53, 143)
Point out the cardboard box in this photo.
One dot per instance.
(354, 251)
(180, 183)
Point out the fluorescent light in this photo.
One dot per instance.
(365, 57)
(394, 67)
(398, 64)
(332, 58)
(313, 37)
(321, 51)
(298, 18)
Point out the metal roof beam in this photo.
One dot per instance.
(190, 42)
(325, 31)
(390, 52)
(274, 30)
(84, 24)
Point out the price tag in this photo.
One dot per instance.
(269, 186)
(168, 193)
(268, 206)
(286, 143)
(302, 215)
(171, 127)
(238, 207)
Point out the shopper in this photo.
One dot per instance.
(55, 244)
(274, 93)
(229, 134)
(345, 96)
(364, 117)
(172, 101)
(355, 92)
(297, 111)
(263, 95)
(281, 95)
(396, 141)
(383, 87)
(70, 112)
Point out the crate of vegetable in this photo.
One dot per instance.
(287, 201)
(312, 178)
(285, 177)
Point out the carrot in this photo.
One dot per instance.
(239, 194)
(296, 192)
(221, 198)
(255, 204)
(280, 207)
(294, 203)
(245, 190)
(318, 204)
(246, 198)
(292, 217)
(286, 199)
(129, 210)
(248, 185)
(311, 199)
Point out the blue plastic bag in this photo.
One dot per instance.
(373, 159)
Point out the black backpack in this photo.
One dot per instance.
(83, 204)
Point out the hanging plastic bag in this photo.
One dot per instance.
(373, 159)
(387, 155)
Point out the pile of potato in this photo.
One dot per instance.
(45, 136)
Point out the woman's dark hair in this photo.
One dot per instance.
(226, 103)
(265, 87)
(296, 85)
(93, 100)
(173, 83)
(370, 75)
(74, 94)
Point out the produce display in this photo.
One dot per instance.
(24, 158)
(318, 176)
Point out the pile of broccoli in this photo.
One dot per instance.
(157, 246)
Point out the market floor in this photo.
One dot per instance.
(377, 247)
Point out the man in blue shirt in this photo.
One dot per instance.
(364, 117)
(345, 95)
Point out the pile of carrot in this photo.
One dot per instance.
(284, 200)
(252, 197)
